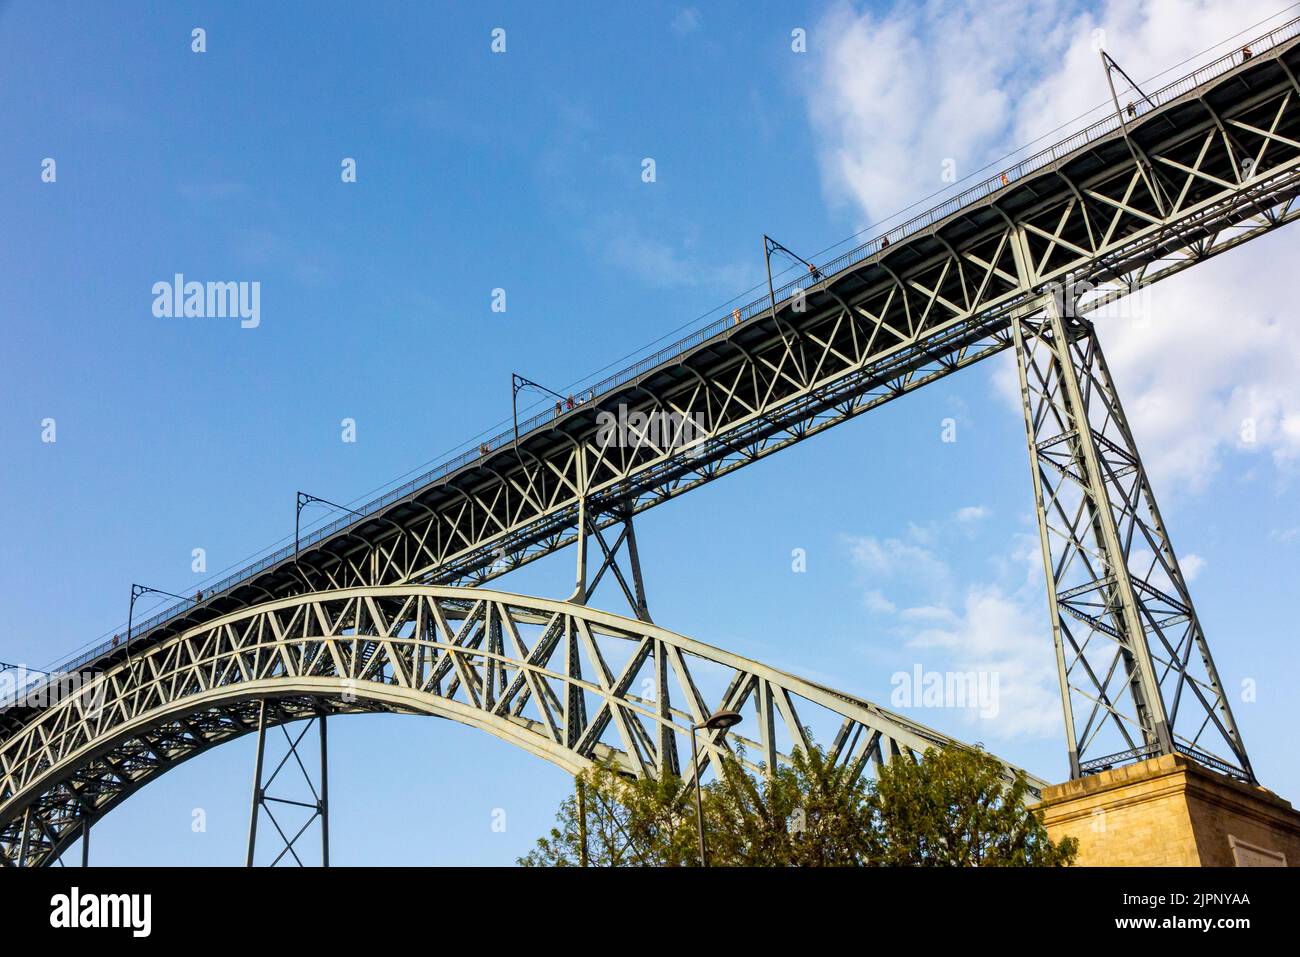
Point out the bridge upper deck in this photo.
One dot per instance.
(931, 295)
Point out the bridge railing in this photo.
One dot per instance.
(711, 327)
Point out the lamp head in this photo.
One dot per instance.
(722, 720)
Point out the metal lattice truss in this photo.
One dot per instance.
(564, 682)
(1202, 175)
(1207, 171)
(1211, 181)
(1136, 674)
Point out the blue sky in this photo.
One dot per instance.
(522, 171)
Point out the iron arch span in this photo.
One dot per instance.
(566, 682)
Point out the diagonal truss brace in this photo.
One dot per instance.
(1137, 678)
(634, 591)
(263, 800)
(510, 665)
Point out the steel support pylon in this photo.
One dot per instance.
(586, 583)
(319, 805)
(1137, 679)
(634, 592)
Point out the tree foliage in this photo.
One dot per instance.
(954, 808)
(646, 822)
(808, 813)
(951, 808)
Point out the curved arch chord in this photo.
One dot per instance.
(568, 683)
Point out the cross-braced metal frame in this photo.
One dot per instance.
(1202, 166)
(1226, 156)
(1137, 678)
(570, 684)
(587, 583)
(264, 801)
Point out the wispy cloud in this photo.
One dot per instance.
(1192, 565)
(943, 621)
(656, 247)
(686, 21)
(903, 89)
(661, 260)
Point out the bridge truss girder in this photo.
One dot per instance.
(898, 320)
(1206, 172)
(767, 385)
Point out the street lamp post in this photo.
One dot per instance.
(718, 721)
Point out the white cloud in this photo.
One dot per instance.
(972, 513)
(1191, 564)
(929, 613)
(686, 21)
(997, 628)
(878, 603)
(901, 90)
(900, 559)
(999, 634)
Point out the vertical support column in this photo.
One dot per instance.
(575, 706)
(324, 796)
(639, 605)
(580, 590)
(579, 595)
(22, 841)
(85, 837)
(1044, 540)
(586, 586)
(582, 824)
(263, 799)
(257, 783)
(666, 745)
(1137, 679)
(669, 765)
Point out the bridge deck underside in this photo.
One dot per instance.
(1201, 174)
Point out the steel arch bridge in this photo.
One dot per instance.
(564, 682)
(1178, 176)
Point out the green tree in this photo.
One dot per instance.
(954, 808)
(621, 822)
(808, 813)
